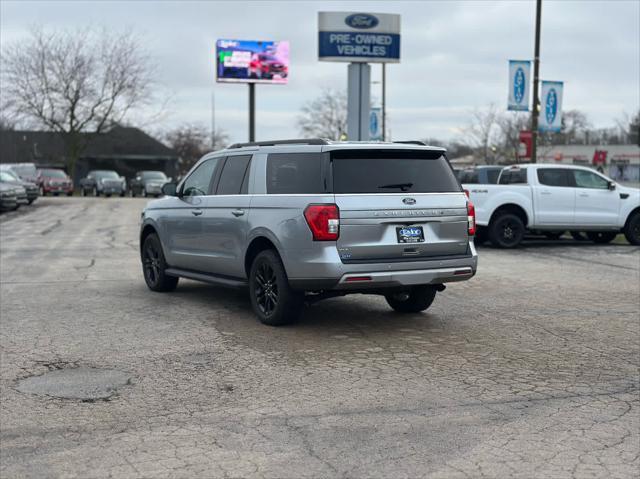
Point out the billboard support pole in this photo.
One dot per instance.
(535, 111)
(384, 102)
(358, 101)
(252, 112)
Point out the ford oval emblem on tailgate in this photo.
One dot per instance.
(409, 201)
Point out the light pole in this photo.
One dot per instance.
(536, 72)
(384, 102)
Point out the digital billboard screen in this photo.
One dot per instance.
(246, 61)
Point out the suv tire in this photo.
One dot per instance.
(481, 236)
(506, 231)
(632, 229)
(601, 237)
(272, 299)
(415, 300)
(154, 266)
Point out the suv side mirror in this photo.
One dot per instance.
(612, 185)
(169, 189)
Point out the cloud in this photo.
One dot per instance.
(454, 55)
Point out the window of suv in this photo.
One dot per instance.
(513, 177)
(295, 173)
(586, 179)
(469, 177)
(392, 171)
(199, 181)
(554, 177)
(232, 176)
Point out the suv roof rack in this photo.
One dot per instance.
(309, 141)
(411, 142)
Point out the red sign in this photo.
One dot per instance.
(527, 140)
(600, 157)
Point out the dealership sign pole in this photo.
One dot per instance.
(251, 62)
(359, 39)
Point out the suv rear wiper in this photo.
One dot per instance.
(402, 186)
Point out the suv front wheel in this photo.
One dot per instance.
(415, 300)
(273, 300)
(154, 266)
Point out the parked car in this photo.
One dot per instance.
(54, 181)
(147, 183)
(554, 198)
(8, 197)
(481, 174)
(263, 66)
(24, 171)
(27, 191)
(103, 182)
(298, 221)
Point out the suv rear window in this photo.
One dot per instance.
(392, 171)
(295, 173)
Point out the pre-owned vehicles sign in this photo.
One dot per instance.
(359, 37)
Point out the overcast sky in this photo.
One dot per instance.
(453, 56)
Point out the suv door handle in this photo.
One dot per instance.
(584, 195)
(237, 213)
(545, 192)
(196, 212)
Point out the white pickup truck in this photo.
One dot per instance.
(553, 199)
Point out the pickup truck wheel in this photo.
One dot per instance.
(632, 229)
(272, 299)
(415, 300)
(154, 266)
(601, 237)
(506, 231)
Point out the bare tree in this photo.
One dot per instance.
(511, 124)
(482, 130)
(192, 141)
(325, 116)
(74, 82)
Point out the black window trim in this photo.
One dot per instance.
(214, 176)
(326, 170)
(575, 183)
(216, 180)
(567, 173)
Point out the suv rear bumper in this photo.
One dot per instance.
(345, 277)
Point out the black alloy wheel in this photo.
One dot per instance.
(154, 266)
(272, 299)
(266, 289)
(632, 229)
(506, 231)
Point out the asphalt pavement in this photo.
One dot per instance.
(530, 369)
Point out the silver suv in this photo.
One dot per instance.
(302, 220)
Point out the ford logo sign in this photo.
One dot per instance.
(551, 106)
(409, 201)
(361, 21)
(518, 85)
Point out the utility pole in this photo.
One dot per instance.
(384, 102)
(252, 112)
(536, 101)
(213, 119)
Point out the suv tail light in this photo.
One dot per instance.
(471, 218)
(323, 221)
